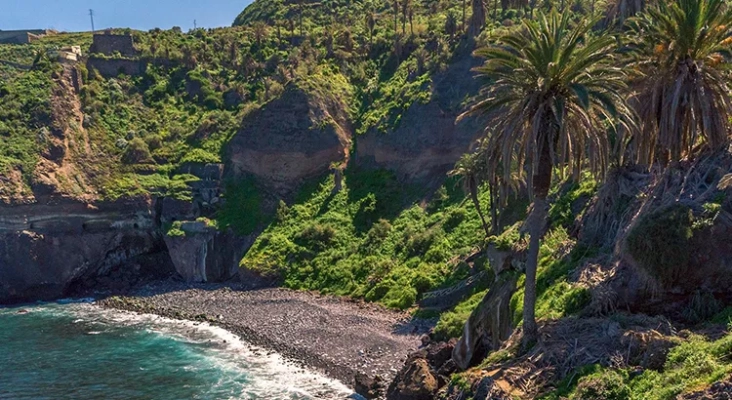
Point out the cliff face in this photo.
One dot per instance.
(292, 138)
(47, 249)
(428, 141)
(206, 255)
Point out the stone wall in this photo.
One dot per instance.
(110, 68)
(108, 44)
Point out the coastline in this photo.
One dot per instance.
(336, 336)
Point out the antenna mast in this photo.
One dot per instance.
(91, 15)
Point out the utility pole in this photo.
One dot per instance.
(91, 15)
(194, 25)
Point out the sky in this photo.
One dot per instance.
(73, 15)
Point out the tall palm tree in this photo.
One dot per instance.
(681, 50)
(551, 89)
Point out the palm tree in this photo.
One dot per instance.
(471, 171)
(477, 20)
(371, 25)
(552, 87)
(681, 48)
(451, 24)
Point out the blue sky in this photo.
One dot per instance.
(73, 15)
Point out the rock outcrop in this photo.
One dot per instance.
(205, 254)
(427, 142)
(424, 372)
(489, 324)
(298, 136)
(45, 250)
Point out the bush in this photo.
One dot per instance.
(660, 243)
(607, 385)
(316, 236)
(137, 152)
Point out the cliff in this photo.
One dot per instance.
(47, 250)
(428, 141)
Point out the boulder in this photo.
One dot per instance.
(414, 382)
(369, 388)
(205, 254)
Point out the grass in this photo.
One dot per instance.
(451, 323)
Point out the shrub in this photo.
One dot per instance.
(137, 152)
(316, 235)
(660, 243)
(607, 385)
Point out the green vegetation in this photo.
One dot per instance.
(661, 241)
(25, 108)
(451, 322)
(243, 208)
(692, 365)
(369, 240)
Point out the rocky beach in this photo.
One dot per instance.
(339, 337)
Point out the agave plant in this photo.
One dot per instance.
(551, 89)
(680, 50)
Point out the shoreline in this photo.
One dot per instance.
(338, 337)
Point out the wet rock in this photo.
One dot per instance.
(414, 382)
(370, 388)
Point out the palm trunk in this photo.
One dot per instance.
(495, 223)
(541, 182)
(464, 12)
(396, 17)
(476, 203)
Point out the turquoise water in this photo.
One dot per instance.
(80, 351)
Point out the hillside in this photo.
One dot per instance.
(308, 146)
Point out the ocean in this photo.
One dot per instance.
(80, 351)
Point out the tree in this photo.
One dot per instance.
(471, 172)
(477, 20)
(371, 25)
(300, 10)
(620, 10)
(552, 87)
(451, 24)
(259, 29)
(396, 17)
(680, 49)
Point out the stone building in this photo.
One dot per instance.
(108, 43)
(23, 36)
